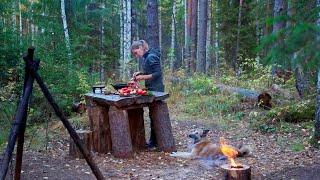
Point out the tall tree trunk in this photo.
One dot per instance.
(301, 76)
(20, 28)
(121, 60)
(193, 34)
(235, 62)
(187, 35)
(102, 50)
(317, 120)
(160, 27)
(153, 24)
(173, 33)
(134, 21)
(267, 27)
(278, 10)
(66, 34)
(217, 39)
(126, 39)
(208, 41)
(202, 37)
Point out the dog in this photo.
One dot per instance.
(203, 148)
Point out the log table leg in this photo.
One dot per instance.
(120, 133)
(99, 125)
(137, 128)
(162, 125)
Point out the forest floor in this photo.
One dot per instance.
(271, 158)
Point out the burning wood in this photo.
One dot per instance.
(230, 152)
(234, 171)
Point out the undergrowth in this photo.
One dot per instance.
(199, 96)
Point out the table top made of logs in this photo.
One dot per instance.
(120, 101)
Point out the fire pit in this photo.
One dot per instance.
(233, 170)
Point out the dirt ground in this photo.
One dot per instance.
(269, 159)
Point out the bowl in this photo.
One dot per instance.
(118, 86)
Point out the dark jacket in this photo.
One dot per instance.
(152, 65)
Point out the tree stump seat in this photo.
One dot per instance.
(117, 123)
(85, 137)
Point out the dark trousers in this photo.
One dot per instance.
(153, 138)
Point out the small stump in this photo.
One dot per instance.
(242, 172)
(85, 138)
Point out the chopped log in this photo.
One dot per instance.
(162, 125)
(85, 137)
(264, 100)
(79, 107)
(99, 125)
(238, 173)
(136, 123)
(120, 133)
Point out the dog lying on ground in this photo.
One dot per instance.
(204, 148)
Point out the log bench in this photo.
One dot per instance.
(117, 123)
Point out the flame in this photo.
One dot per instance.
(229, 151)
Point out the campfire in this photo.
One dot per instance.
(230, 152)
(233, 170)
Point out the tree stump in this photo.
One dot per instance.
(99, 125)
(239, 173)
(162, 125)
(85, 138)
(137, 131)
(120, 133)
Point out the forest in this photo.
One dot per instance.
(246, 70)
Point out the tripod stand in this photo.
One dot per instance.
(19, 123)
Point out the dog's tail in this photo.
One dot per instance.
(181, 154)
(244, 150)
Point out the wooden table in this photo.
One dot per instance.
(118, 126)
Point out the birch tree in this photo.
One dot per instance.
(66, 33)
(202, 37)
(126, 39)
(173, 32)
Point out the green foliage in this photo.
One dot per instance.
(294, 112)
(297, 43)
(284, 118)
(7, 109)
(201, 85)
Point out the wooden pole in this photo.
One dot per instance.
(18, 120)
(87, 155)
(17, 174)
